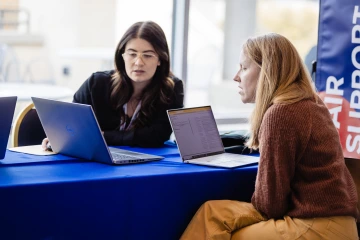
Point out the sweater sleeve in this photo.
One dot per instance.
(149, 136)
(283, 136)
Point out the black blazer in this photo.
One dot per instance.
(96, 90)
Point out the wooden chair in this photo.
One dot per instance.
(27, 128)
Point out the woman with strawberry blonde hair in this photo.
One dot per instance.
(303, 189)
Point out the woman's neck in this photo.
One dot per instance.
(136, 95)
(138, 89)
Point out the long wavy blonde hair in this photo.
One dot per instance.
(283, 77)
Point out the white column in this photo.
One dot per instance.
(179, 46)
(240, 23)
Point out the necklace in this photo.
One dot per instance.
(132, 104)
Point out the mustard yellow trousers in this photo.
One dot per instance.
(234, 220)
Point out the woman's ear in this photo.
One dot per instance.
(158, 63)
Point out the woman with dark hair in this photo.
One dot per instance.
(130, 102)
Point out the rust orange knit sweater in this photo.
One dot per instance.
(302, 172)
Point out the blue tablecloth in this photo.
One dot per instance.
(59, 197)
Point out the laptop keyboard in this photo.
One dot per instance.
(119, 156)
(222, 158)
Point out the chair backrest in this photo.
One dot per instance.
(27, 128)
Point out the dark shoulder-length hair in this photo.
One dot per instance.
(159, 91)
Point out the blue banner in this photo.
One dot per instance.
(338, 69)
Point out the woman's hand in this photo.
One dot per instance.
(46, 146)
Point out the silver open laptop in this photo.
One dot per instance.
(73, 130)
(199, 141)
(7, 108)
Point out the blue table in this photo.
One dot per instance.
(59, 197)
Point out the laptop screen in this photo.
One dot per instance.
(196, 132)
(7, 107)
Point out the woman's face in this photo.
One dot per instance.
(141, 61)
(247, 77)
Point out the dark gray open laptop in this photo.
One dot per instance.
(73, 130)
(199, 141)
(7, 108)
